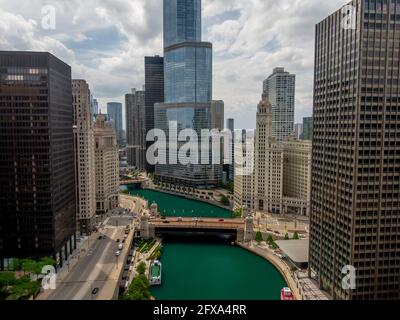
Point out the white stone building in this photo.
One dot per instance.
(107, 166)
(84, 156)
(281, 179)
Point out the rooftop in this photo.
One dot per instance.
(296, 250)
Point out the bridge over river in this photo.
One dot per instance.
(241, 229)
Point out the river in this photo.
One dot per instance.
(209, 269)
(175, 206)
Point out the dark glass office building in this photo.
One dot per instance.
(37, 189)
(135, 129)
(154, 93)
(187, 89)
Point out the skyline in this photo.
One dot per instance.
(109, 39)
(90, 213)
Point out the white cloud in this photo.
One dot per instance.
(250, 38)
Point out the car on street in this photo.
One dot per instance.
(118, 240)
(118, 253)
(120, 246)
(221, 220)
(95, 291)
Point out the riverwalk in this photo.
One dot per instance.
(266, 253)
(301, 285)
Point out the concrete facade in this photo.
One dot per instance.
(107, 166)
(84, 157)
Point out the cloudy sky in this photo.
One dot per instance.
(105, 41)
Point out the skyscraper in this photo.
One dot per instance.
(268, 176)
(298, 130)
(282, 171)
(136, 129)
(114, 110)
(154, 93)
(307, 133)
(280, 90)
(84, 157)
(107, 166)
(355, 216)
(95, 107)
(188, 90)
(217, 114)
(37, 189)
(230, 125)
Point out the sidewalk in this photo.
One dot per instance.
(134, 204)
(82, 248)
(309, 287)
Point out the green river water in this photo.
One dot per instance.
(174, 206)
(209, 270)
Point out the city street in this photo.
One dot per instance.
(96, 269)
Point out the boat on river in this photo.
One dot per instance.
(155, 273)
(287, 294)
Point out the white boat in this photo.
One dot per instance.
(155, 273)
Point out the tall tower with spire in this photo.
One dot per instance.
(268, 181)
(188, 94)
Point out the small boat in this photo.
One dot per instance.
(155, 273)
(287, 294)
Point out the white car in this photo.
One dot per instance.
(118, 253)
(120, 246)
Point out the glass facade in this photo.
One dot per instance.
(186, 116)
(187, 90)
(183, 21)
(37, 173)
(188, 74)
(114, 110)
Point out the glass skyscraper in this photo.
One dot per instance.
(114, 110)
(188, 61)
(280, 90)
(37, 172)
(154, 93)
(187, 88)
(182, 21)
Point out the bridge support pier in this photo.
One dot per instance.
(248, 229)
(240, 235)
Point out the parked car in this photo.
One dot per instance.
(118, 240)
(221, 220)
(118, 253)
(95, 291)
(120, 246)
